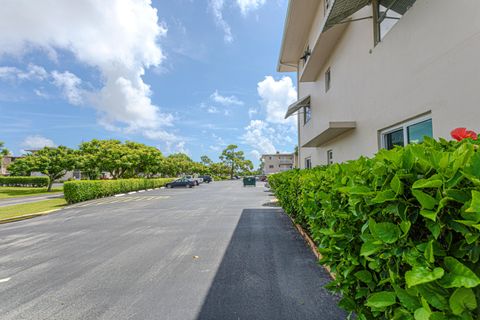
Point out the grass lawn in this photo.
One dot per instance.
(28, 208)
(16, 192)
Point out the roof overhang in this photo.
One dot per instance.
(333, 130)
(299, 20)
(298, 24)
(294, 107)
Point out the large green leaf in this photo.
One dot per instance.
(427, 183)
(384, 196)
(409, 301)
(422, 314)
(381, 300)
(475, 204)
(426, 201)
(419, 275)
(370, 247)
(462, 299)
(364, 276)
(458, 275)
(386, 231)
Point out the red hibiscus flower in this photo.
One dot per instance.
(462, 133)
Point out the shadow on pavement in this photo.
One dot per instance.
(268, 272)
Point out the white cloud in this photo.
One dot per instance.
(33, 72)
(41, 93)
(249, 5)
(118, 38)
(276, 96)
(258, 135)
(37, 142)
(70, 85)
(252, 112)
(217, 9)
(226, 100)
(212, 109)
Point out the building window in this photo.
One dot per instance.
(328, 4)
(307, 114)
(308, 163)
(408, 132)
(271, 166)
(328, 79)
(329, 156)
(270, 158)
(387, 14)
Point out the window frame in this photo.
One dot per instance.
(308, 160)
(330, 156)
(328, 79)
(404, 126)
(305, 113)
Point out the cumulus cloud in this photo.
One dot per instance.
(276, 96)
(37, 142)
(70, 86)
(258, 135)
(249, 5)
(216, 6)
(226, 100)
(119, 38)
(33, 72)
(252, 112)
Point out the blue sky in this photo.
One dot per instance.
(186, 76)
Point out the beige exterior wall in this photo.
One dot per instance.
(428, 63)
(274, 163)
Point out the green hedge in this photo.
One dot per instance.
(24, 181)
(400, 231)
(77, 191)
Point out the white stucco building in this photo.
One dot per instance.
(277, 162)
(377, 73)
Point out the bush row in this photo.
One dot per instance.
(24, 181)
(400, 230)
(77, 191)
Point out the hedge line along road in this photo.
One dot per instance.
(211, 252)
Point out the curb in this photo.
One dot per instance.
(28, 216)
(311, 244)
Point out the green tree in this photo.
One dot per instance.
(53, 162)
(235, 160)
(3, 151)
(206, 160)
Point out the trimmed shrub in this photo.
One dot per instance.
(24, 181)
(78, 191)
(401, 231)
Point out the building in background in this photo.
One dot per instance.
(5, 162)
(379, 73)
(277, 162)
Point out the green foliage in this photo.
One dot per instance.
(235, 161)
(401, 231)
(24, 181)
(77, 191)
(53, 162)
(3, 151)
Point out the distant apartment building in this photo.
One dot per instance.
(375, 74)
(277, 162)
(5, 162)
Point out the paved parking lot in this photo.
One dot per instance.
(211, 252)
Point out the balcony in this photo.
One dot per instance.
(286, 161)
(320, 135)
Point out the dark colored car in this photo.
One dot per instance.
(206, 179)
(182, 182)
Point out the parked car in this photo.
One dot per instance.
(206, 178)
(197, 180)
(182, 182)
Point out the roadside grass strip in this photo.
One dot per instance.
(18, 192)
(28, 210)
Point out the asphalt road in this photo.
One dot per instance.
(211, 252)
